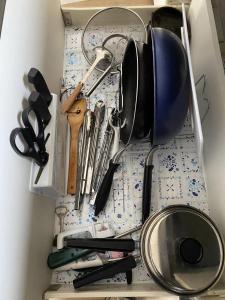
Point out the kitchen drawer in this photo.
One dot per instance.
(209, 64)
(207, 61)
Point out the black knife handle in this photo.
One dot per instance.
(107, 271)
(105, 244)
(129, 274)
(36, 78)
(38, 104)
(105, 187)
(147, 189)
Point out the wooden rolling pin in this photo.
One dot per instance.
(75, 118)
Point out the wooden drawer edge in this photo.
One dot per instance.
(115, 290)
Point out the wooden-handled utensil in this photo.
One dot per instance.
(101, 54)
(66, 105)
(75, 118)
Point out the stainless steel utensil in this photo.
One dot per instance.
(61, 212)
(99, 113)
(101, 55)
(89, 135)
(83, 157)
(107, 17)
(109, 147)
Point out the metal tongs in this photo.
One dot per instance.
(83, 154)
(109, 147)
(99, 113)
(87, 152)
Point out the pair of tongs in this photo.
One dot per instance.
(83, 156)
(109, 147)
(88, 150)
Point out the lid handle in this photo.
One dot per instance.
(191, 251)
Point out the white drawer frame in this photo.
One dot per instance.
(206, 61)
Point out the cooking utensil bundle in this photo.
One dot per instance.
(30, 140)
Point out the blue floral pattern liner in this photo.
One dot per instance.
(177, 174)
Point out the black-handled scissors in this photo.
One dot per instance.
(34, 144)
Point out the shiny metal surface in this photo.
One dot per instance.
(182, 250)
(99, 113)
(105, 17)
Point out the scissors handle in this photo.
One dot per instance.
(28, 138)
(40, 137)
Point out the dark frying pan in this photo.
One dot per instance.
(154, 102)
(135, 121)
(135, 124)
(169, 18)
(171, 98)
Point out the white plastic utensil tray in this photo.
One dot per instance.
(52, 182)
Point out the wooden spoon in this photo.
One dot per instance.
(75, 118)
(66, 105)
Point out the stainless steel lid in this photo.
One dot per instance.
(182, 250)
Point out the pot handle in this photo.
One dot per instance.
(105, 244)
(147, 188)
(147, 185)
(107, 271)
(105, 187)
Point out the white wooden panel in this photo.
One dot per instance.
(32, 36)
(207, 60)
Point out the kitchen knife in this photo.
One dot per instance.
(39, 105)
(107, 271)
(103, 244)
(36, 78)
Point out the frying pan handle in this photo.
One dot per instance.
(147, 184)
(104, 244)
(104, 189)
(147, 188)
(107, 271)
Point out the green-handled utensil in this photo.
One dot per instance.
(65, 256)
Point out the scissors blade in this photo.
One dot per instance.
(38, 175)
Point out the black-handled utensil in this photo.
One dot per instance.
(147, 185)
(65, 256)
(105, 187)
(107, 271)
(102, 244)
(39, 105)
(36, 78)
(129, 273)
(33, 144)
